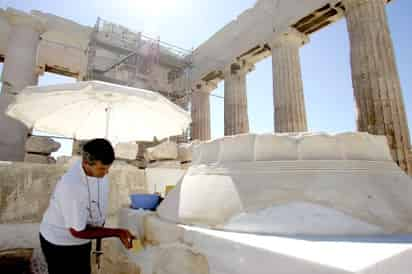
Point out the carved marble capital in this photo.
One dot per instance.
(291, 38)
(242, 67)
(354, 4)
(206, 87)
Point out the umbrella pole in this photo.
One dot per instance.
(107, 122)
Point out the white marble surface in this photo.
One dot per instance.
(296, 217)
(293, 146)
(126, 151)
(19, 236)
(158, 178)
(44, 145)
(344, 255)
(349, 179)
(229, 252)
(164, 151)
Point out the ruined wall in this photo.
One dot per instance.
(25, 189)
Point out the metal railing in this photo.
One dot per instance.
(134, 38)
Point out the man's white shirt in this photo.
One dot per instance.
(77, 201)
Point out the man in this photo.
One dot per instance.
(76, 212)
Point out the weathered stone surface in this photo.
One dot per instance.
(158, 178)
(179, 261)
(208, 152)
(164, 164)
(157, 231)
(43, 145)
(289, 103)
(25, 189)
(163, 151)
(126, 151)
(184, 152)
(375, 77)
(285, 147)
(17, 242)
(238, 253)
(185, 166)
(143, 146)
(20, 65)
(67, 160)
(119, 163)
(235, 110)
(229, 148)
(141, 163)
(23, 237)
(200, 111)
(77, 147)
(233, 42)
(19, 71)
(245, 35)
(323, 178)
(113, 260)
(13, 133)
(410, 162)
(13, 236)
(175, 248)
(270, 147)
(38, 159)
(149, 228)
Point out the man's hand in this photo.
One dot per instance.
(101, 232)
(126, 237)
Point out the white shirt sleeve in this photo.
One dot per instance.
(73, 205)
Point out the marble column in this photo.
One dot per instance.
(376, 84)
(19, 71)
(182, 102)
(235, 112)
(289, 102)
(200, 111)
(410, 163)
(77, 147)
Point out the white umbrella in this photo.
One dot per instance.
(87, 110)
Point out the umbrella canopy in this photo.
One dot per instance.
(87, 110)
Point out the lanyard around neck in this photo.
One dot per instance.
(90, 198)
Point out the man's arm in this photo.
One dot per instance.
(100, 232)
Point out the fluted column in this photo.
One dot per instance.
(375, 77)
(19, 71)
(201, 111)
(289, 102)
(410, 163)
(236, 115)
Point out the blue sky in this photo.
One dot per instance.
(187, 23)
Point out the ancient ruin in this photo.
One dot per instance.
(37, 42)
(307, 203)
(302, 203)
(116, 54)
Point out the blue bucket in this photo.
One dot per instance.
(145, 201)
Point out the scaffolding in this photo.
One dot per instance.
(121, 56)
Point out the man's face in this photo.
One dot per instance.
(98, 170)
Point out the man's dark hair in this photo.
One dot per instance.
(98, 150)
